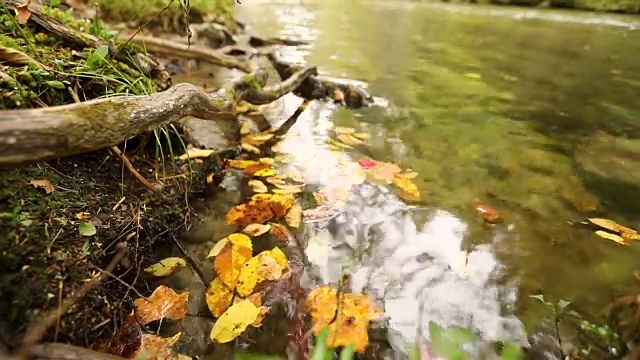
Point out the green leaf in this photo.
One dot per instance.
(539, 297)
(56, 84)
(166, 266)
(86, 228)
(98, 57)
(53, 3)
(511, 352)
(320, 350)
(449, 342)
(347, 353)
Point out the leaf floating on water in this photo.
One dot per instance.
(44, 184)
(612, 226)
(218, 297)
(408, 190)
(242, 164)
(473, 76)
(613, 237)
(351, 323)
(234, 321)
(156, 347)
(195, 154)
(231, 259)
(256, 229)
(257, 210)
(281, 232)
(258, 269)
(350, 139)
(265, 172)
(163, 303)
(294, 216)
(166, 266)
(250, 148)
(361, 135)
(489, 215)
(258, 186)
(344, 130)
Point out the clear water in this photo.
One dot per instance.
(535, 113)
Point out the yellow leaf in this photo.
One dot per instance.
(265, 172)
(258, 269)
(217, 248)
(408, 175)
(351, 323)
(609, 236)
(234, 321)
(473, 76)
(218, 297)
(344, 130)
(337, 144)
(43, 183)
(384, 172)
(153, 347)
(349, 139)
(258, 186)
(611, 225)
(245, 128)
(261, 197)
(163, 303)
(361, 135)
(267, 161)
(231, 259)
(242, 164)
(166, 266)
(409, 190)
(256, 139)
(256, 229)
(250, 148)
(294, 216)
(275, 181)
(195, 153)
(263, 311)
(281, 203)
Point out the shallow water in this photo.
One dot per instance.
(535, 113)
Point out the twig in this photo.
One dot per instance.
(38, 329)
(127, 163)
(109, 274)
(192, 263)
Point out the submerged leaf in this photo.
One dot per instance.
(612, 226)
(163, 302)
(166, 266)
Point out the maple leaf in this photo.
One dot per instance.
(232, 257)
(163, 303)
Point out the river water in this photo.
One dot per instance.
(535, 113)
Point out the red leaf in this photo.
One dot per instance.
(367, 164)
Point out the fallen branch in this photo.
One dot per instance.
(58, 351)
(34, 135)
(259, 42)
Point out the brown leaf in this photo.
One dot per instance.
(43, 183)
(153, 347)
(256, 229)
(22, 12)
(17, 57)
(163, 302)
(489, 214)
(281, 232)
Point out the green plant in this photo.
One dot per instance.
(558, 311)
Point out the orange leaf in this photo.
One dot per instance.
(218, 297)
(43, 183)
(350, 325)
(153, 347)
(242, 164)
(256, 211)
(489, 214)
(163, 302)
(281, 203)
(232, 258)
(252, 169)
(281, 232)
(22, 12)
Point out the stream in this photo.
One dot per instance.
(535, 113)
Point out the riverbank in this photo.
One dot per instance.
(608, 6)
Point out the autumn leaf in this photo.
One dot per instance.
(234, 321)
(294, 216)
(242, 164)
(349, 139)
(258, 186)
(613, 237)
(218, 297)
(43, 183)
(258, 269)
(265, 172)
(612, 226)
(367, 164)
(361, 135)
(195, 154)
(385, 172)
(255, 211)
(489, 215)
(218, 247)
(256, 229)
(281, 232)
(408, 190)
(250, 148)
(290, 189)
(257, 139)
(281, 203)
(232, 257)
(22, 12)
(163, 303)
(344, 130)
(166, 266)
(275, 181)
(349, 326)
(338, 95)
(153, 347)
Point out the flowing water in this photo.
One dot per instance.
(535, 113)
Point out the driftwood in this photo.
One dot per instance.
(34, 135)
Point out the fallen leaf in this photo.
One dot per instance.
(265, 172)
(612, 226)
(258, 321)
(232, 258)
(269, 269)
(349, 326)
(367, 164)
(275, 181)
(163, 303)
(256, 229)
(473, 76)
(153, 347)
(234, 321)
(245, 128)
(338, 95)
(338, 144)
(218, 297)
(258, 186)
(349, 139)
(408, 175)
(166, 266)
(86, 228)
(267, 160)
(489, 214)
(294, 216)
(83, 215)
(22, 12)
(613, 237)
(43, 183)
(254, 211)
(281, 203)
(291, 189)
(242, 164)
(361, 135)
(281, 232)
(344, 130)
(254, 271)
(408, 190)
(252, 169)
(256, 139)
(17, 57)
(195, 154)
(385, 172)
(217, 248)
(250, 148)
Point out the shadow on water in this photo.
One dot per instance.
(537, 118)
